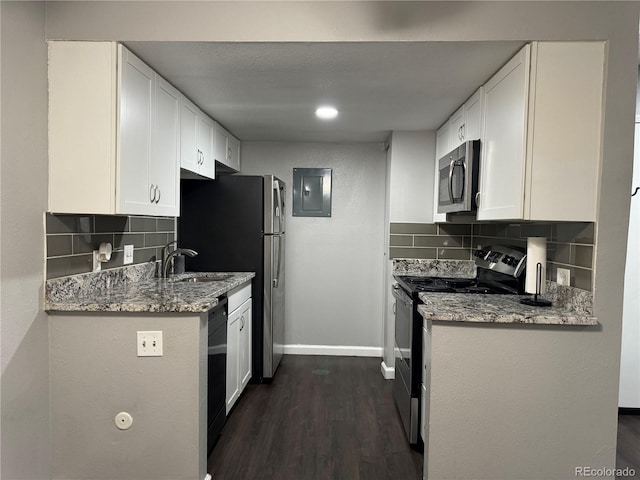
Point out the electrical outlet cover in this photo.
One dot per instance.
(563, 276)
(128, 254)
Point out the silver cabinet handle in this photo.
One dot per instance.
(158, 190)
(477, 199)
(152, 193)
(394, 308)
(241, 322)
(462, 131)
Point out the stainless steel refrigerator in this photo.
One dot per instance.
(237, 223)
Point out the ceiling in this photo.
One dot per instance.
(269, 91)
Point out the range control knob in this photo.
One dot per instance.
(506, 259)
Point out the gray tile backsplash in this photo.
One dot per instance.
(71, 240)
(569, 245)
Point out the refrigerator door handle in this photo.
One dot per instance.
(278, 261)
(277, 206)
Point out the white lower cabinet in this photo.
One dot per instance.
(238, 343)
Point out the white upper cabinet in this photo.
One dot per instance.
(113, 133)
(465, 124)
(196, 140)
(456, 128)
(164, 168)
(134, 192)
(227, 148)
(503, 142)
(190, 157)
(473, 110)
(443, 145)
(542, 131)
(206, 128)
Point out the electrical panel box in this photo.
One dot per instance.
(312, 192)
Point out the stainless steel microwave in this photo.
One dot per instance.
(458, 178)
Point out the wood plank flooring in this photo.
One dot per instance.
(628, 451)
(333, 418)
(320, 418)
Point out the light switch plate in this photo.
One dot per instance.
(563, 276)
(128, 254)
(149, 343)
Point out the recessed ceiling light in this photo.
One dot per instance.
(326, 112)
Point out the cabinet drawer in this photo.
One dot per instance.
(238, 296)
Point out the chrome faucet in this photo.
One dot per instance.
(168, 256)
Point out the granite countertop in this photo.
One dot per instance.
(480, 308)
(146, 294)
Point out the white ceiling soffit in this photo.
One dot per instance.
(269, 91)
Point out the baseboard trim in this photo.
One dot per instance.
(388, 373)
(333, 350)
(628, 411)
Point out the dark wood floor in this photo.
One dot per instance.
(321, 418)
(628, 452)
(333, 418)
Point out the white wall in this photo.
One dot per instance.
(23, 199)
(410, 171)
(411, 176)
(630, 350)
(333, 265)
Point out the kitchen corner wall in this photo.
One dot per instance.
(71, 240)
(24, 386)
(569, 245)
(334, 268)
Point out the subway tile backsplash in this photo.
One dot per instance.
(569, 245)
(71, 239)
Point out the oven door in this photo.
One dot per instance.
(404, 332)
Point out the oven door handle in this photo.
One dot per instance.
(400, 295)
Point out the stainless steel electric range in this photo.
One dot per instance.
(500, 270)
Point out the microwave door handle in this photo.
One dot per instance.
(451, 181)
(464, 176)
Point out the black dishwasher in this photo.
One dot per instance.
(216, 373)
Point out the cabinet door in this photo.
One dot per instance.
(233, 152)
(245, 345)
(472, 128)
(221, 152)
(503, 150)
(456, 128)
(82, 134)
(134, 191)
(565, 130)
(164, 168)
(189, 153)
(233, 338)
(206, 146)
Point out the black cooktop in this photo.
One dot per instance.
(417, 284)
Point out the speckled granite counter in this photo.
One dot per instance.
(138, 290)
(478, 308)
(434, 268)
